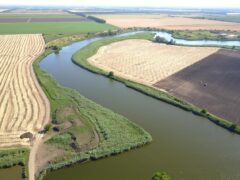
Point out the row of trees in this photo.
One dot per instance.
(159, 39)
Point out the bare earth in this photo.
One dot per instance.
(213, 84)
(172, 23)
(23, 105)
(147, 62)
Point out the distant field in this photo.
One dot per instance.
(227, 18)
(171, 23)
(23, 17)
(53, 27)
(145, 61)
(29, 20)
(31, 15)
(212, 83)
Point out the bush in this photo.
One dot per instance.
(233, 127)
(111, 74)
(159, 39)
(204, 111)
(160, 176)
(47, 128)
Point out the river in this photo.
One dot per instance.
(184, 145)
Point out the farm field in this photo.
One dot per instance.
(145, 61)
(53, 27)
(170, 23)
(18, 17)
(24, 107)
(212, 83)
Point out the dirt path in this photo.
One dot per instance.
(32, 157)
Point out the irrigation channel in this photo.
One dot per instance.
(184, 145)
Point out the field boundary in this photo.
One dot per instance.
(81, 58)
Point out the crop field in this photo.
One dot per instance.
(213, 84)
(145, 61)
(23, 105)
(10, 18)
(53, 27)
(171, 23)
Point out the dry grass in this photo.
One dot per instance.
(23, 105)
(147, 62)
(172, 23)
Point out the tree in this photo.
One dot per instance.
(161, 176)
(160, 39)
(110, 74)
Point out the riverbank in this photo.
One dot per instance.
(15, 157)
(81, 59)
(116, 133)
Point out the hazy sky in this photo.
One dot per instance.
(152, 3)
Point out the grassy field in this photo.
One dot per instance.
(53, 27)
(226, 18)
(116, 133)
(81, 57)
(22, 15)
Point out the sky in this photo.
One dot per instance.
(147, 3)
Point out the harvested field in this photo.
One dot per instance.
(171, 23)
(23, 105)
(213, 84)
(147, 62)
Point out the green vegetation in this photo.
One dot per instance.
(22, 15)
(14, 157)
(206, 35)
(116, 133)
(62, 140)
(159, 39)
(96, 19)
(161, 176)
(53, 27)
(226, 18)
(80, 58)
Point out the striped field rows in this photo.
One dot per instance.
(23, 105)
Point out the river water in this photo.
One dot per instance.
(184, 145)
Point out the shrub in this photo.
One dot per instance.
(204, 111)
(232, 127)
(47, 128)
(159, 39)
(111, 74)
(160, 176)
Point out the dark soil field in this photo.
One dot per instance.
(12, 20)
(212, 84)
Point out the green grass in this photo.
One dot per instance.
(53, 27)
(116, 133)
(61, 140)
(22, 15)
(80, 58)
(226, 18)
